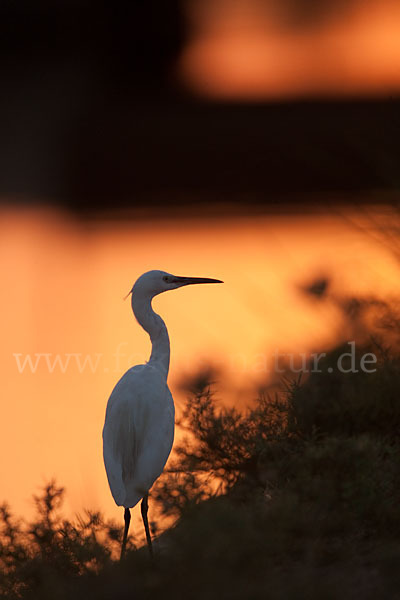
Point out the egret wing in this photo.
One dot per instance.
(138, 433)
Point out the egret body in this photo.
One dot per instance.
(139, 427)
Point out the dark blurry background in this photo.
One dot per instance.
(94, 116)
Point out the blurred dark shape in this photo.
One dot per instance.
(92, 116)
(364, 318)
(383, 227)
(353, 307)
(199, 382)
(317, 288)
(164, 155)
(67, 69)
(312, 13)
(371, 318)
(122, 45)
(387, 318)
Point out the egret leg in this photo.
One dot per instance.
(127, 519)
(144, 508)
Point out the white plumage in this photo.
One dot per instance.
(138, 433)
(139, 427)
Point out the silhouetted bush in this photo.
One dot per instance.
(297, 497)
(39, 557)
(347, 404)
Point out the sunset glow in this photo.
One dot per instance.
(247, 50)
(63, 284)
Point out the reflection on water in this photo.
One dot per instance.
(68, 336)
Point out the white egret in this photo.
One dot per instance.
(140, 418)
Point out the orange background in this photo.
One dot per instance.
(255, 49)
(62, 287)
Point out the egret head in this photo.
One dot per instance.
(155, 282)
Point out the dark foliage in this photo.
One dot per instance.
(348, 404)
(297, 497)
(37, 558)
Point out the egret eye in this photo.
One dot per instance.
(166, 278)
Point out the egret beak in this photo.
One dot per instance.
(191, 280)
(128, 294)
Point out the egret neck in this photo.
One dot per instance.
(156, 328)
